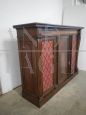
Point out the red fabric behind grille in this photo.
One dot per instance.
(47, 63)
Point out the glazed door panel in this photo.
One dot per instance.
(74, 54)
(63, 58)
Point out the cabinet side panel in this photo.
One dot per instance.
(27, 57)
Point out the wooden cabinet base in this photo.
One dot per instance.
(40, 101)
(48, 57)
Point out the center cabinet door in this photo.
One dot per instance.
(64, 58)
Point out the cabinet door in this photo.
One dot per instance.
(46, 65)
(74, 53)
(64, 64)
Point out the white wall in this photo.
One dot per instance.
(67, 3)
(76, 15)
(17, 12)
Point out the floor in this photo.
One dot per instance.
(70, 100)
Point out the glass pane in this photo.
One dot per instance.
(63, 58)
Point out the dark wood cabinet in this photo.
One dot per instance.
(48, 58)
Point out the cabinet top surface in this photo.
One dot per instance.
(45, 25)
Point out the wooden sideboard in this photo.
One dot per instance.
(48, 59)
